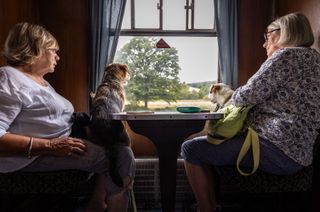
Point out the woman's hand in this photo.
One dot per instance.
(67, 146)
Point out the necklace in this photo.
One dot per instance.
(37, 79)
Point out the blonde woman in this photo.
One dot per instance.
(35, 121)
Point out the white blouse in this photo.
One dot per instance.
(27, 108)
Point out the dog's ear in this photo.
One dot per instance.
(216, 88)
(211, 87)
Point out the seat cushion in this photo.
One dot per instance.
(42, 182)
(262, 182)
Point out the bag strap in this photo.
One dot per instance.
(252, 139)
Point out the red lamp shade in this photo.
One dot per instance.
(162, 44)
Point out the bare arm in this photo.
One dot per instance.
(18, 145)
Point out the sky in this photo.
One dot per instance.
(198, 56)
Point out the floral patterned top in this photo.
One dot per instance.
(286, 94)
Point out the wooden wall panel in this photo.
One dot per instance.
(310, 8)
(254, 16)
(67, 20)
(12, 12)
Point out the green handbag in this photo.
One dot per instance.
(232, 124)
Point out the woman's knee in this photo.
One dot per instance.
(96, 159)
(125, 161)
(188, 147)
(185, 146)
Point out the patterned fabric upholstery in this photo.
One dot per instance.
(57, 182)
(262, 182)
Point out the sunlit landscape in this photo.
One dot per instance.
(164, 106)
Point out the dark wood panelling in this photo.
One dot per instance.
(254, 16)
(68, 22)
(310, 8)
(12, 12)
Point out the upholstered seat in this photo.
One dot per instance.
(262, 182)
(50, 191)
(44, 191)
(306, 180)
(42, 182)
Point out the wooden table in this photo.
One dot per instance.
(167, 130)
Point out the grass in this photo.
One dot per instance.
(164, 106)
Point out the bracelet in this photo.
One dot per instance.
(30, 147)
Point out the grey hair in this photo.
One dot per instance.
(295, 30)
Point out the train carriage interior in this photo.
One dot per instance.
(186, 34)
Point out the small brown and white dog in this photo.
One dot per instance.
(220, 95)
(110, 98)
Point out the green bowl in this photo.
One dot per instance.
(188, 109)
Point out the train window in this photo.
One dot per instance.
(169, 17)
(171, 48)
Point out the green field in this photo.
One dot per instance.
(164, 106)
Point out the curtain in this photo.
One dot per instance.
(227, 33)
(106, 19)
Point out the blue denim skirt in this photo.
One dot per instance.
(272, 160)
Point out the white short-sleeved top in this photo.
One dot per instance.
(27, 108)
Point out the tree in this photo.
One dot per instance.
(154, 71)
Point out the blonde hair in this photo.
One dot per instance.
(27, 42)
(295, 30)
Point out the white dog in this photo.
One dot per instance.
(220, 95)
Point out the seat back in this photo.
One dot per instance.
(54, 182)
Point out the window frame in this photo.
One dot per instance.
(190, 30)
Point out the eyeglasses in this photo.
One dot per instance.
(265, 35)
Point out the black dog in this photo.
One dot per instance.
(80, 120)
